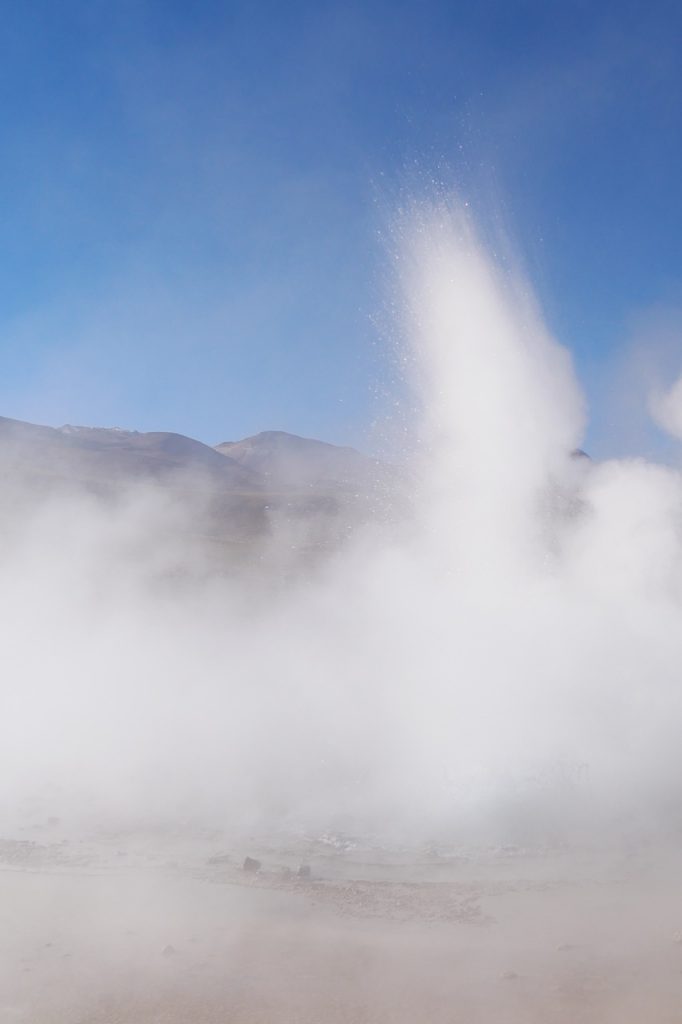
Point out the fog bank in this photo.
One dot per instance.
(500, 657)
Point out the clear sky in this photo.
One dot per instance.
(192, 192)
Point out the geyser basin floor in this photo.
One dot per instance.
(183, 934)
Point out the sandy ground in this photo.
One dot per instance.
(151, 926)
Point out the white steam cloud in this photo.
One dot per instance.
(666, 409)
(506, 656)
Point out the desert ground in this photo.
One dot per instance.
(152, 925)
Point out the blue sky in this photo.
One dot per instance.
(192, 195)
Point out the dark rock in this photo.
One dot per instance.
(304, 871)
(250, 864)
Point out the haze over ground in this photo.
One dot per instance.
(450, 739)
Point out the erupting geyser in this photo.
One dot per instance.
(507, 660)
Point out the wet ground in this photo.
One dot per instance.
(157, 925)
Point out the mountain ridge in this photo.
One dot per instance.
(289, 459)
(269, 458)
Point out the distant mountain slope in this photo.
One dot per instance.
(110, 455)
(272, 500)
(286, 460)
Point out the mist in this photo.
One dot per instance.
(497, 659)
